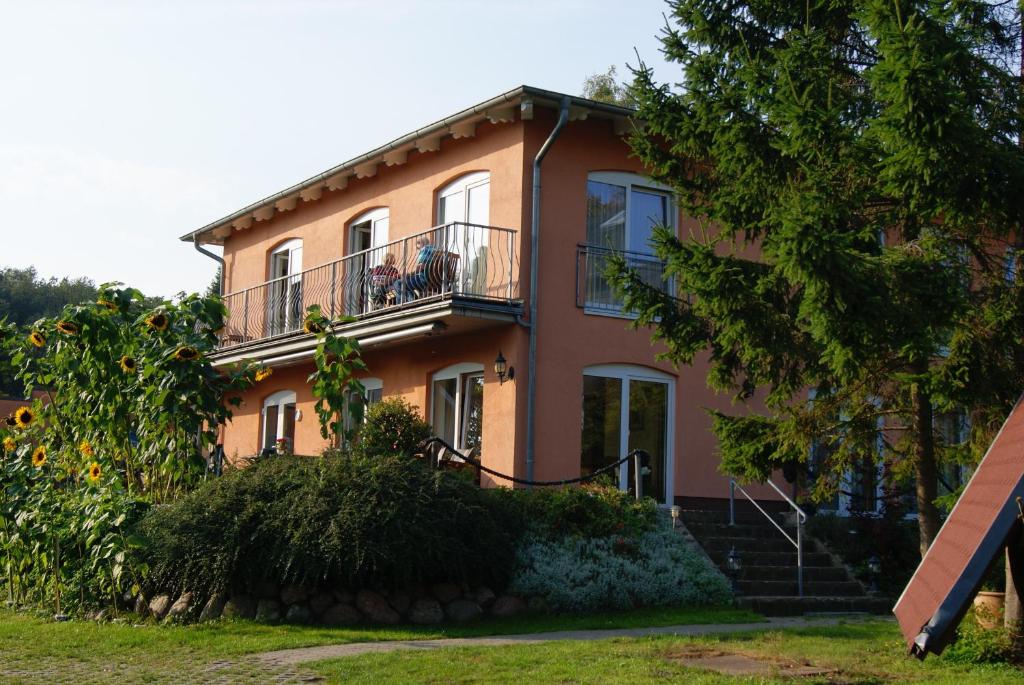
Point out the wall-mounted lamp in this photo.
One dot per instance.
(504, 371)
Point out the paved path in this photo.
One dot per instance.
(290, 657)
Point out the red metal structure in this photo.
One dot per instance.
(977, 530)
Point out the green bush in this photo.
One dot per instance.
(393, 426)
(977, 645)
(387, 521)
(590, 511)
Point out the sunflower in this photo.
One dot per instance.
(313, 326)
(9, 444)
(186, 354)
(37, 338)
(11, 421)
(264, 374)
(24, 417)
(158, 321)
(128, 364)
(95, 472)
(68, 327)
(86, 449)
(39, 456)
(104, 302)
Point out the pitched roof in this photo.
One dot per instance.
(499, 109)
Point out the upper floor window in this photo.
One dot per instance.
(466, 199)
(368, 230)
(284, 297)
(623, 209)
(286, 259)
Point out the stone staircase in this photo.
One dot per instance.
(767, 581)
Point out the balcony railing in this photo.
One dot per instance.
(593, 290)
(454, 260)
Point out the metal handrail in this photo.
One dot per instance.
(469, 261)
(801, 518)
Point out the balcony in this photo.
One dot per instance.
(450, 270)
(594, 293)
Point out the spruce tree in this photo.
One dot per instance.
(853, 175)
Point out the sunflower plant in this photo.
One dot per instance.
(337, 359)
(130, 402)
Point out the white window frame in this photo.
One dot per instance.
(279, 399)
(373, 216)
(463, 184)
(288, 286)
(459, 373)
(369, 385)
(626, 373)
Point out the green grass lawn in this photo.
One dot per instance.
(870, 652)
(36, 650)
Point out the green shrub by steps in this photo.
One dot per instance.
(386, 521)
(656, 568)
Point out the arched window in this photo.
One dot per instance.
(284, 299)
(373, 393)
(367, 247)
(627, 408)
(279, 420)
(464, 211)
(457, 406)
(368, 230)
(466, 199)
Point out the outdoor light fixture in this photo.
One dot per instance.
(733, 565)
(504, 371)
(874, 570)
(675, 511)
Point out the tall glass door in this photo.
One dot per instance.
(625, 410)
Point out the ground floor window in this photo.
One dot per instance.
(457, 406)
(627, 408)
(373, 391)
(279, 421)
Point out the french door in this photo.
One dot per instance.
(624, 409)
(284, 299)
(466, 203)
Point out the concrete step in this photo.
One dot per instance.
(755, 559)
(744, 545)
(756, 518)
(750, 530)
(797, 606)
(788, 588)
(819, 574)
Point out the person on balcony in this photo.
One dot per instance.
(416, 282)
(382, 281)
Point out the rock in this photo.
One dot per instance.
(426, 611)
(463, 610)
(507, 606)
(375, 608)
(159, 605)
(446, 592)
(181, 607)
(341, 615)
(240, 606)
(400, 601)
(298, 613)
(268, 611)
(484, 596)
(320, 602)
(266, 589)
(141, 606)
(344, 596)
(293, 594)
(213, 608)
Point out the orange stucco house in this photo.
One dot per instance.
(433, 243)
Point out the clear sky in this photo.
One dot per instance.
(124, 125)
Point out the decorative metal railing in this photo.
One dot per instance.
(593, 290)
(456, 259)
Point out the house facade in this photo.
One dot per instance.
(423, 250)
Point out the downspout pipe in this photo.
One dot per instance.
(216, 257)
(531, 376)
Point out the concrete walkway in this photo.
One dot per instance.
(290, 657)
